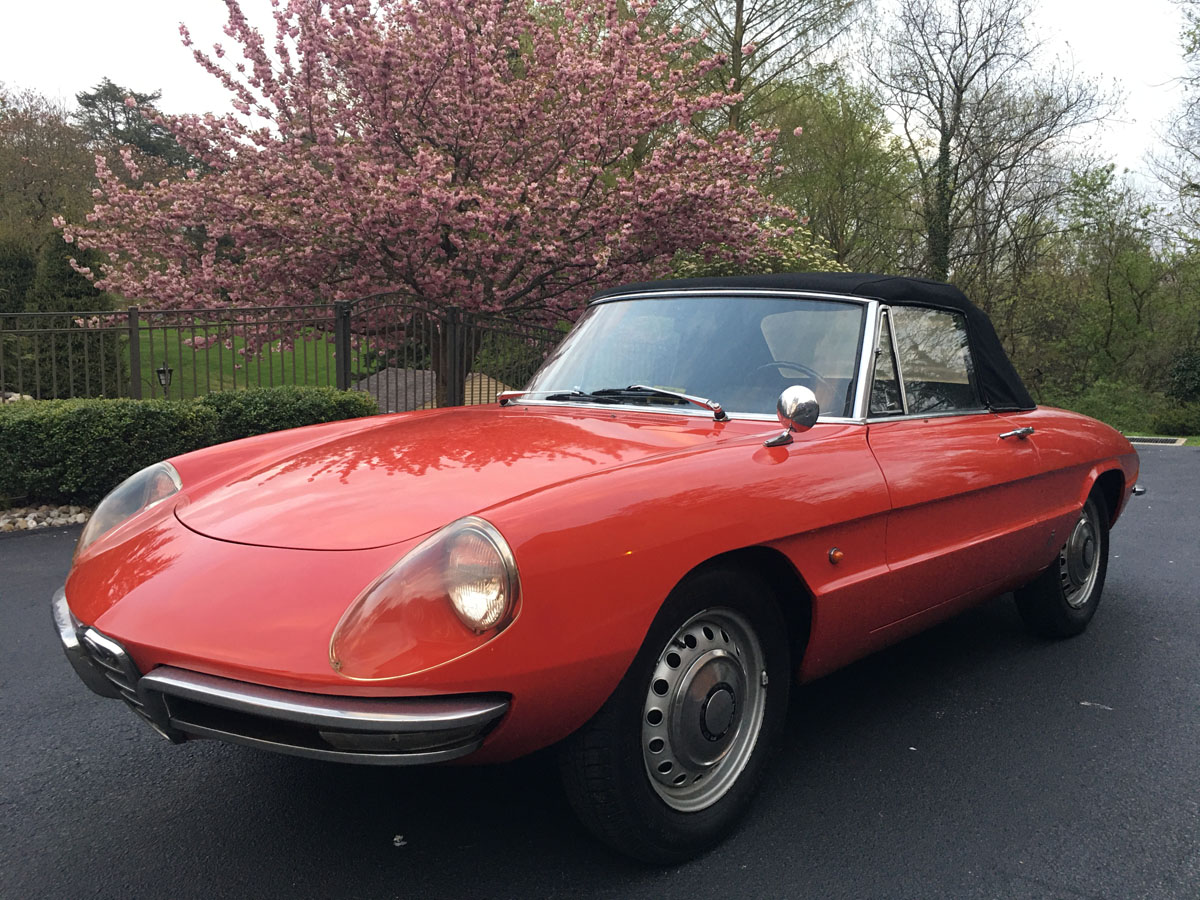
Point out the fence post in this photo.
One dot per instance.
(135, 354)
(456, 382)
(341, 343)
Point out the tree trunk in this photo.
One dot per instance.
(454, 348)
(938, 213)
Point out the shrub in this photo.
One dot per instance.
(64, 361)
(53, 358)
(1181, 421)
(75, 451)
(1126, 407)
(1185, 378)
(260, 410)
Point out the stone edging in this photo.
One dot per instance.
(31, 518)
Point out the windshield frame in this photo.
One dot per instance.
(868, 337)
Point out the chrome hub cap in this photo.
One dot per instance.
(1079, 560)
(704, 709)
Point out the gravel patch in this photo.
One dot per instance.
(30, 518)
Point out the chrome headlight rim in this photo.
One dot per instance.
(421, 579)
(512, 588)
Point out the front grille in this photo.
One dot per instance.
(374, 731)
(206, 720)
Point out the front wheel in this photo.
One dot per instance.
(669, 763)
(1061, 601)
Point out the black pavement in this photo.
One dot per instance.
(970, 762)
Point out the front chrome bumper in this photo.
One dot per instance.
(180, 704)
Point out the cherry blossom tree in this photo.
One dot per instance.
(496, 155)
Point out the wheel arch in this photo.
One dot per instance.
(1110, 485)
(792, 595)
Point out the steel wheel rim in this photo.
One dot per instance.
(704, 709)
(1079, 559)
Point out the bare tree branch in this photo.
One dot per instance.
(983, 122)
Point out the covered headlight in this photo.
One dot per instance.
(454, 591)
(140, 491)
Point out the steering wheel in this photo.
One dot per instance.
(808, 371)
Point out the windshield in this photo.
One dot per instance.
(739, 351)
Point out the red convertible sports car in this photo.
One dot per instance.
(631, 558)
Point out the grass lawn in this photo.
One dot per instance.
(218, 368)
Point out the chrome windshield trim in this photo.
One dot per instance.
(390, 715)
(695, 413)
(734, 292)
(866, 360)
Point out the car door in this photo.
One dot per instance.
(965, 505)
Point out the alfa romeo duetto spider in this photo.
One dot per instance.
(630, 559)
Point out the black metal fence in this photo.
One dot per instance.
(407, 355)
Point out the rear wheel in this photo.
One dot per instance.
(665, 768)
(1061, 601)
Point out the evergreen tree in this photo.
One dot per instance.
(110, 122)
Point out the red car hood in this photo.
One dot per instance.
(387, 479)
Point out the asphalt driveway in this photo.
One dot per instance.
(970, 762)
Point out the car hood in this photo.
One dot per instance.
(391, 478)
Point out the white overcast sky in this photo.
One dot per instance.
(60, 47)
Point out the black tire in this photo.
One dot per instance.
(720, 628)
(1061, 601)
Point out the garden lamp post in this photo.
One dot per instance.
(164, 376)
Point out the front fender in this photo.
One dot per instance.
(599, 555)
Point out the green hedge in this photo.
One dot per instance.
(75, 451)
(1126, 407)
(260, 410)
(1182, 421)
(1132, 409)
(1185, 377)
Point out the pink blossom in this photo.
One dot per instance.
(402, 149)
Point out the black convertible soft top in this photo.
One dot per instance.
(999, 384)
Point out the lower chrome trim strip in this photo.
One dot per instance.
(393, 715)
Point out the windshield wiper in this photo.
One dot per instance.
(645, 390)
(505, 397)
(615, 395)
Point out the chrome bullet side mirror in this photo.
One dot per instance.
(798, 409)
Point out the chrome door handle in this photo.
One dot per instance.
(1021, 433)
